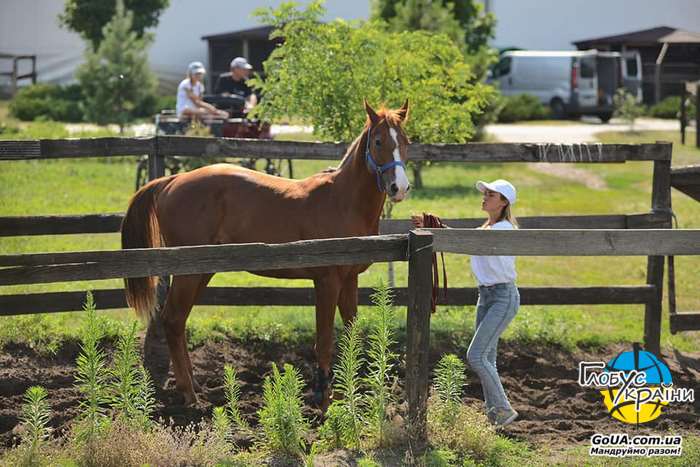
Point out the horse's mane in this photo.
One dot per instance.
(391, 116)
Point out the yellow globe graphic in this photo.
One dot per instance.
(626, 410)
(656, 373)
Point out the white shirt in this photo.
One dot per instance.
(491, 270)
(183, 100)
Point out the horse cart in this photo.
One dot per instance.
(238, 126)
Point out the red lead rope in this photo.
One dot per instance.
(431, 221)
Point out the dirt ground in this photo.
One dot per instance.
(540, 381)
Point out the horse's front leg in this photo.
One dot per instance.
(327, 291)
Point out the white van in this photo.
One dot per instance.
(572, 83)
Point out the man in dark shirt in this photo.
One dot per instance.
(233, 83)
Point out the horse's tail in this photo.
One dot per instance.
(140, 229)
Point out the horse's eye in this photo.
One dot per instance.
(378, 142)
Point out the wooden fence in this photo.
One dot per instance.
(622, 234)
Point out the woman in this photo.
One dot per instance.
(498, 300)
(189, 96)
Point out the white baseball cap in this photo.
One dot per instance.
(241, 62)
(503, 187)
(196, 68)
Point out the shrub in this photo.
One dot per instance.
(48, 102)
(521, 107)
(626, 107)
(670, 108)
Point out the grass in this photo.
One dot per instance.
(105, 186)
(74, 186)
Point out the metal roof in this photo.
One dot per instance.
(657, 35)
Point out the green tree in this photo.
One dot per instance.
(463, 20)
(322, 72)
(116, 78)
(88, 17)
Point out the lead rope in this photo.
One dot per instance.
(431, 221)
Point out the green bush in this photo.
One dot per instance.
(521, 107)
(48, 102)
(670, 108)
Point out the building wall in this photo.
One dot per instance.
(31, 27)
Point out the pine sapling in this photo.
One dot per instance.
(344, 421)
(92, 376)
(281, 416)
(449, 382)
(222, 425)
(36, 414)
(381, 362)
(233, 396)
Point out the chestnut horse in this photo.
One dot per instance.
(225, 203)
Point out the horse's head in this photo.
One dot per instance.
(386, 150)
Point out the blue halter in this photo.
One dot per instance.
(379, 169)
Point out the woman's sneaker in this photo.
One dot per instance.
(501, 417)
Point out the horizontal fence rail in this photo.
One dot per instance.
(96, 265)
(232, 147)
(553, 242)
(110, 223)
(106, 299)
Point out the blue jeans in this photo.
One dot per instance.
(495, 309)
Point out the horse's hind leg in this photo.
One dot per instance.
(181, 297)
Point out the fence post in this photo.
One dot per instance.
(697, 115)
(156, 358)
(660, 202)
(683, 113)
(420, 282)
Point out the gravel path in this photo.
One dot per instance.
(583, 131)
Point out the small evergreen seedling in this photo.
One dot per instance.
(449, 383)
(36, 414)
(92, 376)
(381, 362)
(233, 395)
(344, 422)
(283, 423)
(222, 424)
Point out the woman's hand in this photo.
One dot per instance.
(417, 221)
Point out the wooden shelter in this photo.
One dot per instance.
(253, 44)
(670, 56)
(14, 74)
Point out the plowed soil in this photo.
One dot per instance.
(541, 383)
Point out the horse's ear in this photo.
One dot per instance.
(403, 111)
(373, 117)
